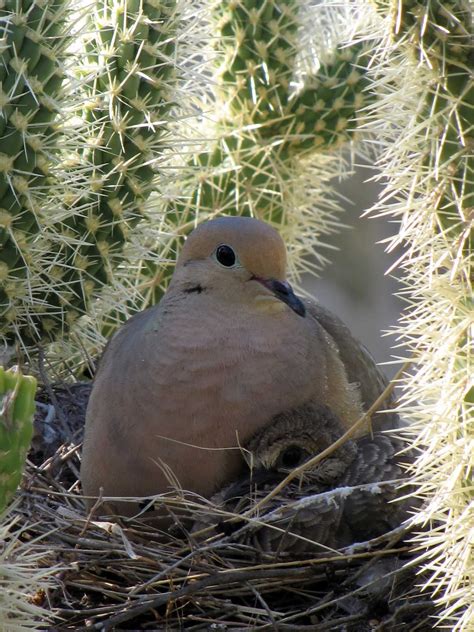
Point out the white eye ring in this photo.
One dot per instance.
(225, 256)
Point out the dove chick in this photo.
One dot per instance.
(344, 498)
(182, 385)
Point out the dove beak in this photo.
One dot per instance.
(283, 291)
(258, 478)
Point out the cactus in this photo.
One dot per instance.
(128, 100)
(440, 36)
(266, 130)
(67, 212)
(22, 580)
(17, 406)
(424, 79)
(31, 76)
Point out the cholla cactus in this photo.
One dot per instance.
(131, 53)
(17, 406)
(282, 105)
(424, 79)
(31, 75)
(68, 202)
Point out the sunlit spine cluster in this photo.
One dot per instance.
(426, 85)
(130, 72)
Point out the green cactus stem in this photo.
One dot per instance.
(126, 82)
(31, 79)
(257, 45)
(129, 98)
(128, 102)
(133, 46)
(17, 406)
(323, 113)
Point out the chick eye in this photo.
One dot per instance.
(225, 256)
(292, 456)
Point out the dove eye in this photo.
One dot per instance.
(226, 256)
(292, 456)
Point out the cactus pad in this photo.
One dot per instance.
(17, 406)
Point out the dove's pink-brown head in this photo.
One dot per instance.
(236, 256)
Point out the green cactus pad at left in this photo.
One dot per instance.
(17, 406)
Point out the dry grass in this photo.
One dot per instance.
(132, 576)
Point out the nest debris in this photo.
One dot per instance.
(129, 575)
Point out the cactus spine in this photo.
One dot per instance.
(427, 94)
(24, 579)
(129, 98)
(266, 129)
(17, 406)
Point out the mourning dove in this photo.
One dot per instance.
(343, 499)
(184, 383)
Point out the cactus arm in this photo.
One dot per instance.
(438, 35)
(63, 239)
(323, 113)
(446, 45)
(257, 45)
(30, 84)
(132, 47)
(427, 95)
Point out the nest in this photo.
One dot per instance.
(130, 575)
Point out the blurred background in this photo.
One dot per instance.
(355, 285)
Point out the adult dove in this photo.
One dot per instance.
(344, 498)
(188, 381)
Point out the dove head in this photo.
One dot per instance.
(290, 439)
(239, 259)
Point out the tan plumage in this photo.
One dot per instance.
(327, 507)
(189, 380)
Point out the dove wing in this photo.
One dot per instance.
(370, 512)
(361, 368)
